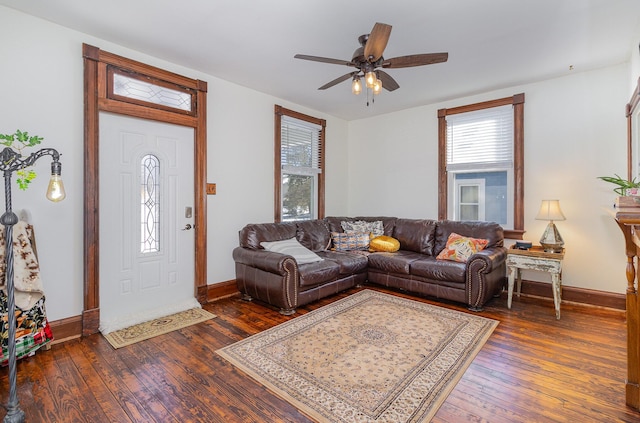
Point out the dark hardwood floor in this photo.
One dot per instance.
(534, 368)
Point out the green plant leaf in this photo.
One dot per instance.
(622, 183)
(18, 141)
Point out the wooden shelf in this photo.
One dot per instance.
(536, 251)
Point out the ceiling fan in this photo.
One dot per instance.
(368, 60)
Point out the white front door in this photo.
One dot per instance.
(146, 217)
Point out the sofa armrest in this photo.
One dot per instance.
(486, 274)
(487, 260)
(280, 264)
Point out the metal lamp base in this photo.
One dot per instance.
(551, 240)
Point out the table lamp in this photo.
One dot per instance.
(551, 240)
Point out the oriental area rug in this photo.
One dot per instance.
(160, 326)
(369, 357)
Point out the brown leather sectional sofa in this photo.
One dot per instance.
(279, 280)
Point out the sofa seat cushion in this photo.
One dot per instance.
(317, 273)
(398, 262)
(349, 263)
(439, 270)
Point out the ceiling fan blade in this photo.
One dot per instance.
(377, 41)
(388, 82)
(323, 59)
(415, 60)
(339, 80)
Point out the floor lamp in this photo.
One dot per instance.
(11, 161)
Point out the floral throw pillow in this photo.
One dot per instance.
(376, 227)
(342, 241)
(460, 248)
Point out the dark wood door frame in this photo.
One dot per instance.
(96, 99)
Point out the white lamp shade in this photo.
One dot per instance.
(550, 210)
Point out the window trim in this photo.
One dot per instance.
(517, 101)
(96, 101)
(279, 112)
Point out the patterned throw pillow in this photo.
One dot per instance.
(384, 243)
(293, 248)
(349, 241)
(460, 248)
(376, 227)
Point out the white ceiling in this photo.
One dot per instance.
(491, 43)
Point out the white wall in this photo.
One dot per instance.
(575, 130)
(42, 92)
(240, 160)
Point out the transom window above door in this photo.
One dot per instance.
(133, 88)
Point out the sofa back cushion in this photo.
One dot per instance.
(416, 235)
(484, 230)
(333, 222)
(253, 234)
(313, 234)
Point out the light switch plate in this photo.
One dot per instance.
(211, 189)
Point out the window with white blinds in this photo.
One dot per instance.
(479, 152)
(480, 139)
(299, 166)
(481, 162)
(300, 150)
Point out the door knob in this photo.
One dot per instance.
(187, 227)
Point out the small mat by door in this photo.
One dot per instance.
(160, 326)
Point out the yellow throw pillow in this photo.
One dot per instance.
(384, 243)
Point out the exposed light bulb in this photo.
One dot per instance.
(55, 190)
(356, 85)
(370, 79)
(377, 87)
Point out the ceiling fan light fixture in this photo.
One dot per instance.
(370, 79)
(356, 85)
(367, 58)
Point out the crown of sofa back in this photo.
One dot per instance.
(254, 233)
(313, 234)
(423, 236)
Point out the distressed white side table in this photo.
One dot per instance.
(535, 258)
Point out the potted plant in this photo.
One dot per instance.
(624, 187)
